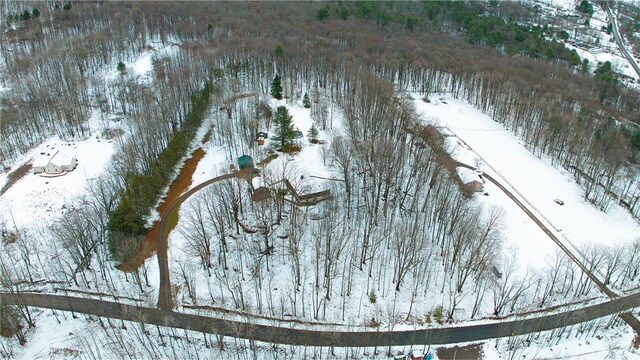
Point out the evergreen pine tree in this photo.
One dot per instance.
(121, 67)
(323, 13)
(276, 88)
(278, 51)
(306, 102)
(313, 134)
(35, 13)
(284, 127)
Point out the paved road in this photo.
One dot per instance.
(292, 336)
(616, 34)
(165, 300)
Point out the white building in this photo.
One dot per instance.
(57, 164)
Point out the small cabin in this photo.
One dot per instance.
(471, 180)
(245, 162)
(261, 194)
(314, 198)
(261, 137)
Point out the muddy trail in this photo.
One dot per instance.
(181, 183)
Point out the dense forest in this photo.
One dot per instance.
(506, 69)
(362, 60)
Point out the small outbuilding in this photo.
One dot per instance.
(471, 180)
(261, 137)
(432, 136)
(245, 162)
(261, 194)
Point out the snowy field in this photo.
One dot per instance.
(535, 179)
(40, 199)
(141, 68)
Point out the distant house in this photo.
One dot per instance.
(57, 164)
(307, 199)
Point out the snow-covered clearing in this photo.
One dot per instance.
(142, 67)
(535, 179)
(37, 199)
(40, 200)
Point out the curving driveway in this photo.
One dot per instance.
(165, 300)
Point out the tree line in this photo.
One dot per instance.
(142, 190)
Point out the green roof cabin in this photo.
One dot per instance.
(245, 162)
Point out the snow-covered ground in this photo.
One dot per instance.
(48, 197)
(480, 139)
(607, 345)
(41, 199)
(473, 132)
(476, 139)
(141, 68)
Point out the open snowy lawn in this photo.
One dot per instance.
(612, 344)
(142, 67)
(51, 339)
(41, 199)
(535, 179)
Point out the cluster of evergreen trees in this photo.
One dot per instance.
(34, 13)
(470, 18)
(143, 189)
(25, 15)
